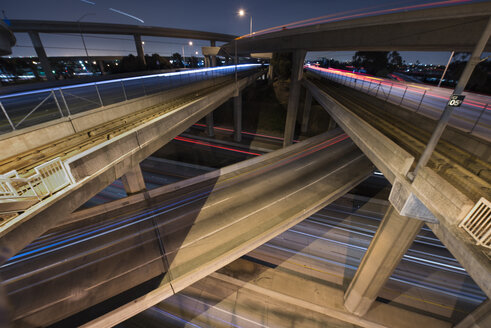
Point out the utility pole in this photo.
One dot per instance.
(447, 112)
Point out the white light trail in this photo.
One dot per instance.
(89, 2)
(126, 14)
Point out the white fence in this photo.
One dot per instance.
(478, 223)
(18, 194)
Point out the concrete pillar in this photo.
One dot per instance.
(207, 61)
(479, 318)
(291, 115)
(209, 125)
(139, 48)
(306, 111)
(43, 58)
(133, 181)
(270, 73)
(238, 118)
(332, 124)
(394, 236)
(213, 58)
(100, 63)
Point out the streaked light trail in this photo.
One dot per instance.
(126, 14)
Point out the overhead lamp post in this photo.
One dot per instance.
(190, 43)
(80, 30)
(241, 13)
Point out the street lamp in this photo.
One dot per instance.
(190, 43)
(241, 13)
(80, 30)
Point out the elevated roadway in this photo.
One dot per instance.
(180, 233)
(473, 117)
(448, 187)
(19, 25)
(323, 252)
(99, 153)
(449, 28)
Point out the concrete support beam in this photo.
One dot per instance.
(133, 181)
(408, 204)
(238, 118)
(479, 318)
(332, 124)
(96, 169)
(394, 236)
(217, 238)
(207, 61)
(306, 111)
(139, 48)
(41, 53)
(100, 63)
(209, 125)
(296, 77)
(213, 58)
(270, 73)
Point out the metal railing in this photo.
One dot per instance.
(473, 117)
(478, 223)
(23, 109)
(48, 179)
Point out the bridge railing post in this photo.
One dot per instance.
(379, 84)
(124, 91)
(403, 95)
(56, 102)
(7, 116)
(98, 94)
(388, 93)
(64, 102)
(421, 101)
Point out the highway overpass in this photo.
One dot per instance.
(264, 202)
(192, 228)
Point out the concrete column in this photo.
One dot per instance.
(207, 61)
(238, 118)
(209, 125)
(479, 318)
(291, 115)
(100, 63)
(213, 58)
(43, 58)
(270, 73)
(133, 181)
(394, 236)
(332, 124)
(306, 111)
(139, 48)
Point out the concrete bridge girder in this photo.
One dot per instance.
(428, 195)
(98, 167)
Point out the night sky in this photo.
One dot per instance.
(211, 15)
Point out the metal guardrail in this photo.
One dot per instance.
(19, 193)
(23, 109)
(478, 223)
(474, 118)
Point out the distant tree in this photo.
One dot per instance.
(177, 61)
(480, 80)
(157, 62)
(374, 62)
(130, 63)
(395, 60)
(193, 62)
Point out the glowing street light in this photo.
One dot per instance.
(190, 43)
(242, 13)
